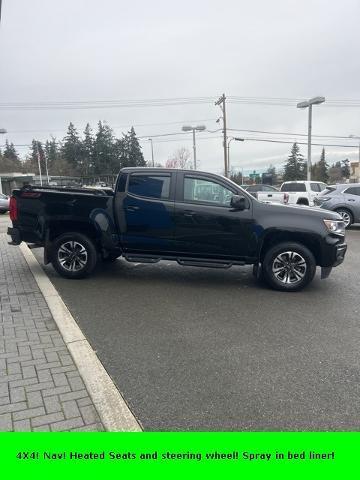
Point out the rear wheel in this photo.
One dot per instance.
(346, 215)
(2, 212)
(73, 255)
(289, 267)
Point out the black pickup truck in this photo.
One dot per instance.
(192, 217)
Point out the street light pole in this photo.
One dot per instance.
(152, 152)
(309, 143)
(194, 148)
(237, 139)
(199, 128)
(308, 104)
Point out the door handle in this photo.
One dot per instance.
(132, 208)
(189, 213)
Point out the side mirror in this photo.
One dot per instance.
(238, 202)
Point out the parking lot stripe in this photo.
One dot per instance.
(111, 406)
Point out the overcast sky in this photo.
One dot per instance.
(87, 50)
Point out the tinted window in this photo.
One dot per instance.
(254, 188)
(328, 190)
(353, 190)
(315, 187)
(293, 187)
(269, 188)
(154, 186)
(206, 191)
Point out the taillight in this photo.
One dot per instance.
(13, 209)
(286, 198)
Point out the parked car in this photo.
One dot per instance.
(343, 199)
(266, 193)
(4, 203)
(157, 214)
(302, 192)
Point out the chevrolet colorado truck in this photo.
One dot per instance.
(191, 217)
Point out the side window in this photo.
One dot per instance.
(353, 191)
(315, 187)
(153, 186)
(206, 191)
(293, 187)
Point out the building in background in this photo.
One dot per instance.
(11, 180)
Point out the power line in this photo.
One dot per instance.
(161, 102)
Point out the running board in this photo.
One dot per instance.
(184, 261)
(139, 259)
(199, 263)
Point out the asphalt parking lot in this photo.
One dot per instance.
(204, 349)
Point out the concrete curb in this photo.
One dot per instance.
(111, 406)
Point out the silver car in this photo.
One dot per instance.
(344, 199)
(4, 203)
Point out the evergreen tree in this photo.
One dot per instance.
(322, 167)
(10, 158)
(105, 158)
(31, 164)
(130, 151)
(295, 167)
(72, 148)
(87, 152)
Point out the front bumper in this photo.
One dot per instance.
(338, 258)
(340, 254)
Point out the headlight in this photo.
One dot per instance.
(335, 226)
(323, 199)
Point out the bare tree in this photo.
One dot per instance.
(180, 159)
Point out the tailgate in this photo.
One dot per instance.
(274, 197)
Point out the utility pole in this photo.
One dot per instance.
(39, 164)
(222, 105)
(152, 152)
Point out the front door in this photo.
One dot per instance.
(206, 225)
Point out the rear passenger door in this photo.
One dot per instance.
(146, 212)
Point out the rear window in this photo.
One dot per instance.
(293, 187)
(315, 187)
(328, 190)
(254, 188)
(153, 186)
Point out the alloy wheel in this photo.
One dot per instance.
(345, 216)
(289, 267)
(72, 256)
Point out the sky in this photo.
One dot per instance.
(111, 50)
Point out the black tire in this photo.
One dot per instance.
(73, 255)
(2, 212)
(346, 215)
(303, 201)
(288, 267)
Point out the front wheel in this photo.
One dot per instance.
(346, 216)
(289, 267)
(73, 255)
